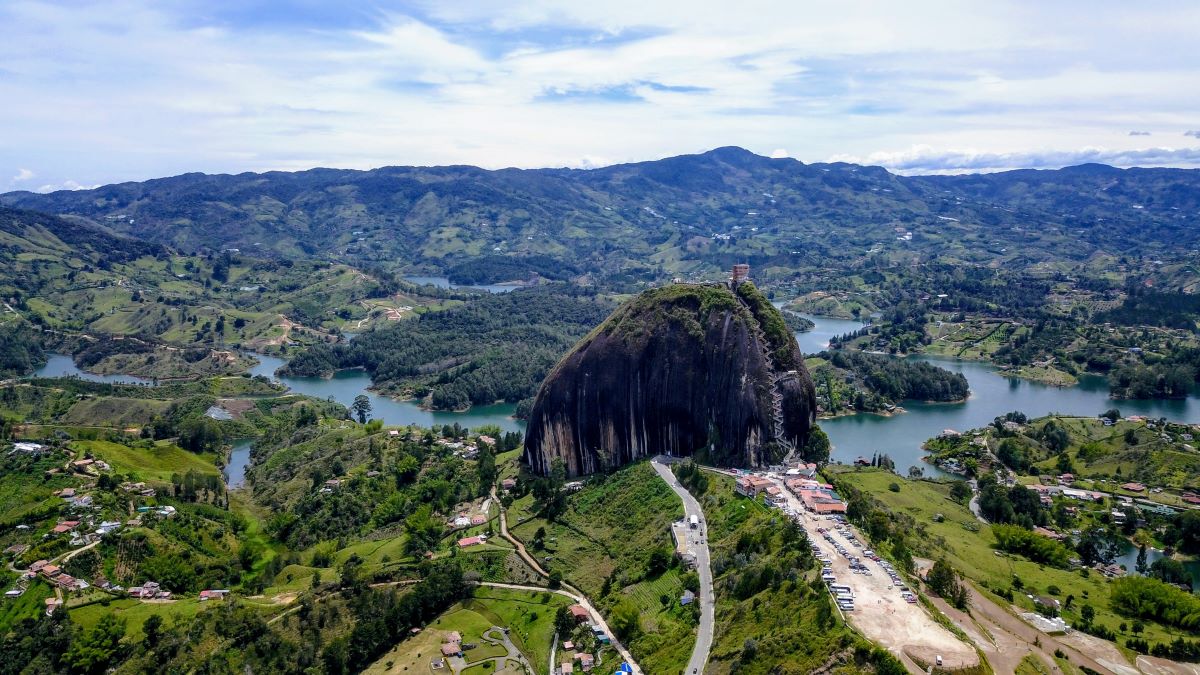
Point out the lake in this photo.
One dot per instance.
(347, 384)
(60, 365)
(900, 436)
(239, 459)
(443, 282)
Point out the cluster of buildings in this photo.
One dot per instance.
(585, 660)
(140, 489)
(817, 497)
(1047, 492)
(452, 644)
(55, 576)
(468, 542)
(25, 448)
(461, 449)
(151, 590)
(464, 520)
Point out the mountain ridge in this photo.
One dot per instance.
(686, 214)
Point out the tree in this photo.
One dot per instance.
(548, 491)
(361, 408)
(1087, 613)
(943, 580)
(626, 619)
(486, 467)
(816, 448)
(1141, 565)
(151, 629)
(960, 491)
(96, 650)
(423, 530)
(564, 621)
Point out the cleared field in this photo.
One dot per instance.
(136, 612)
(156, 463)
(114, 411)
(528, 615)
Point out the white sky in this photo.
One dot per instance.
(100, 92)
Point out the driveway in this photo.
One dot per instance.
(698, 542)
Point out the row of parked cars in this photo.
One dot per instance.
(857, 565)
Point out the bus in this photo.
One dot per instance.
(694, 521)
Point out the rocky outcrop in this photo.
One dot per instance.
(682, 370)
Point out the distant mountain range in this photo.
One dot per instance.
(683, 215)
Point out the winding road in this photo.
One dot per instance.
(567, 589)
(698, 542)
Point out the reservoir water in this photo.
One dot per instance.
(347, 384)
(239, 459)
(992, 394)
(60, 365)
(443, 282)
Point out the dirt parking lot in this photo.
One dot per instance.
(880, 612)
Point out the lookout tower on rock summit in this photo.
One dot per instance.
(741, 272)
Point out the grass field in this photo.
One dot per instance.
(32, 603)
(528, 615)
(136, 612)
(410, 656)
(114, 411)
(967, 545)
(157, 463)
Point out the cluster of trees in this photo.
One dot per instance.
(1143, 307)
(384, 617)
(497, 268)
(944, 581)
(20, 349)
(1036, 547)
(899, 379)
(692, 477)
(417, 477)
(497, 347)
(1017, 504)
(1147, 598)
(1159, 380)
(55, 645)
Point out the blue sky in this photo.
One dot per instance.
(100, 92)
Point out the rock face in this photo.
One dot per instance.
(682, 370)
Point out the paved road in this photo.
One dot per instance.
(698, 542)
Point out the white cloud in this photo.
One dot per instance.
(926, 159)
(22, 176)
(779, 153)
(168, 89)
(66, 185)
(1193, 134)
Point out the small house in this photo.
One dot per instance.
(579, 613)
